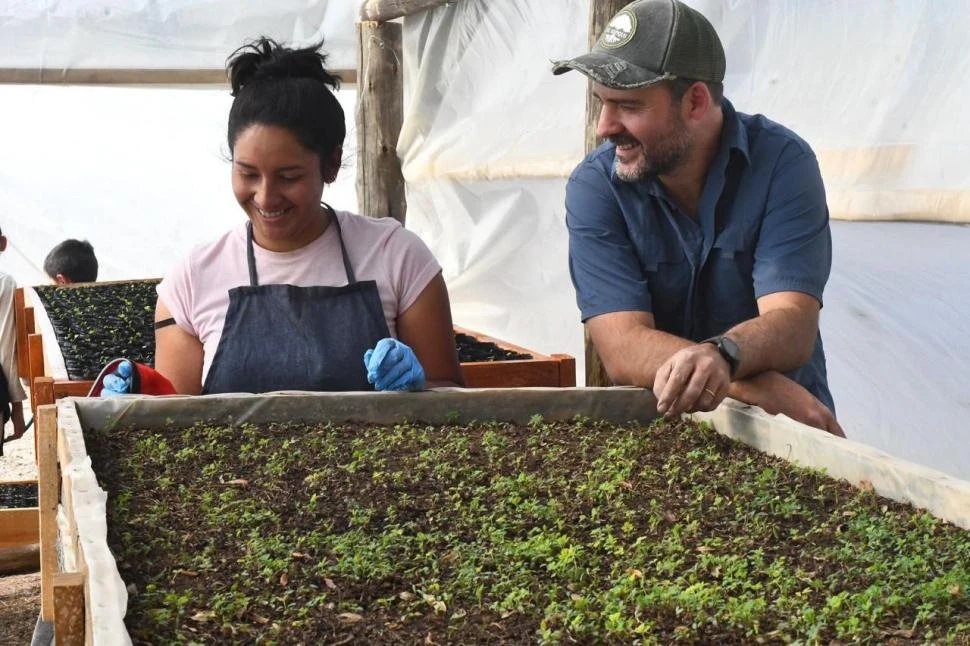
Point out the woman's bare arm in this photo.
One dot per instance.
(178, 354)
(426, 326)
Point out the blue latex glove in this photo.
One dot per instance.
(392, 365)
(119, 381)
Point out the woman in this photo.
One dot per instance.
(300, 297)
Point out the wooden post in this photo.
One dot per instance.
(567, 370)
(600, 12)
(35, 364)
(380, 115)
(47, 494)
(20, 322)
(69, 609)
(43, 391)
(384, 10)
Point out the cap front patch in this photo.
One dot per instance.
(620, 30)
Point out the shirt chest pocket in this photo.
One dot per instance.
(729, 282)
(668, 274)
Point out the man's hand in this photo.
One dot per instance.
(695, 378)
(776, 393)
(392, 365)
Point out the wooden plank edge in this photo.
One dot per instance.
(47, 485)
(20, 324)
(19, 526)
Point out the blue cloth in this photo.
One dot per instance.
(762, 227)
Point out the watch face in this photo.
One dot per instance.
(731, 348)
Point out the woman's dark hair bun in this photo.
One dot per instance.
(265, 59)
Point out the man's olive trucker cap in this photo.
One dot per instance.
(650, 41)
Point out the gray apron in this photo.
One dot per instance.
(283, 337)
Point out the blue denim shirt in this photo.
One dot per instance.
(762, 227)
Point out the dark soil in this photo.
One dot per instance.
(471, 349)
(18, 496)
(19, 608)
(97, 323)
(497, 534)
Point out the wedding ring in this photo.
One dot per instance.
(713, 394)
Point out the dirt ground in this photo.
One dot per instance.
(19, 608)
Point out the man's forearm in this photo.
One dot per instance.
(782, 340)
(632, 351)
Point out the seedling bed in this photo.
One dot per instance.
(498, 532)
(97, 322)
(18, 495)
(472, 349)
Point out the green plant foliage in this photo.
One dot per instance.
(548, 533)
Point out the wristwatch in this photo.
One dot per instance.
(729, 350)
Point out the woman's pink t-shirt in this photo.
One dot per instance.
(196, 292)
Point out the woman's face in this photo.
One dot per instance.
(278, 183)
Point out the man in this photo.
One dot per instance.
(699, 242)
(12, 393)
(72, 261)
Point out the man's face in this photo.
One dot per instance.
(648, 129)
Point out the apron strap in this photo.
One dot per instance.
(348, 268)
(251, 255)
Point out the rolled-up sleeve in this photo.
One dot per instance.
(794, 251)
(603, 263)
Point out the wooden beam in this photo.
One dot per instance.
(48, 486)
(600, 13)
(380, 115)
(567, 370)
(43, 391)
(35, 364)
(110, 76)
(19, 527)
(19, 560)
(79, 388)
(384, 10)
(69, 609)
(21, 326)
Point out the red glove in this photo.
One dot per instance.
(143, 380)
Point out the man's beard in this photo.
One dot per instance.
(664, 154)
